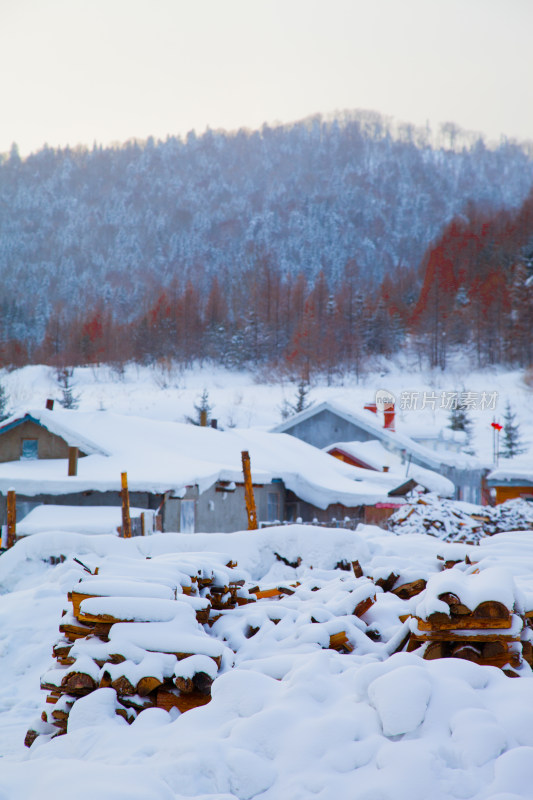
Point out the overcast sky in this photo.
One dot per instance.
(78, 71)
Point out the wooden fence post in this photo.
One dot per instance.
(72, 461)
(11, 517)
(249, 492)
(126, 519)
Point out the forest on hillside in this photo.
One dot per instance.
(308, 246)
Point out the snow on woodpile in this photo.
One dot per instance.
(445, 519)
(453, 520)
(308, 689)
(513, 515)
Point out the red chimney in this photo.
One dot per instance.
(371, 407)
(50, 404)
(388, 416)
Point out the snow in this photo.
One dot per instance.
(287, 718)
(89, 519)
(492, 583)
(241, 399)
(162, 456)
(401, 699)
(377, 456)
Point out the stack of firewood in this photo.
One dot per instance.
(139, 631)
(456, 619)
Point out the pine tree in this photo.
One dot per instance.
(4, 400)
(300, 403)
(69, 399)
(459, 420)
(202, 407)
(512, 444)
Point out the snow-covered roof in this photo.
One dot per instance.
(376, 456)
(516, 470)
(369, 422)
(169, 456)
(82, 519)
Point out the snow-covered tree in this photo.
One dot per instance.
(4, 400)
(202, 407)
(69, 399)
(512, 444)
(459, 420)
(300, 403)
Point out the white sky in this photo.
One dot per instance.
(79, 71)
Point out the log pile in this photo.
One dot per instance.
(155, 630)
(457, 619)
(446, 519)
(138, 630)
(454, 521)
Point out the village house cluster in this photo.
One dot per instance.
(329, 464)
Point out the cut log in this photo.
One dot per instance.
(387, 584)
(454, 602)
(60, 715)
(357, 571)
(467, 651)
(183, 702)
(78, 683)
(76, 598)
(527, 652)
(202, 683)
(339, 641)
(408, 590)
(435, 650)
(202, 615)
(122, 686)
(147, 685)
(73, 631)
(443, 622)
(493, 611)
(61, 649)
(262, 593)
(362, 607)
(30, 737)
(185, 685)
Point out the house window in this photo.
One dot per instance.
(273, 506)
(30, 449)
(187, 516)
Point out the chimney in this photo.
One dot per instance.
(388, 416)
(385, 469)
(371, 407)
(214, 423)
(50, 404)
(203, 418)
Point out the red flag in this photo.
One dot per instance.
(497, 426)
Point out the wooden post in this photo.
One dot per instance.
(11, 517)
(72, 461)
(126, 520)
(249, 492)
(143, 523)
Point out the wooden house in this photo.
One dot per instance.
(191, 476)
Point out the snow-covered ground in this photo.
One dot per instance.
(288, 719)
(239, 399)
